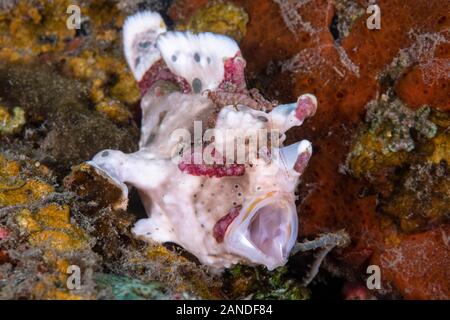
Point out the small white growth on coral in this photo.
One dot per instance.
(422, 52)
(140, 33)
(311, 60)
(292, 18)
(198, 58)
(424, 45)
(305, 61)
(345, 60)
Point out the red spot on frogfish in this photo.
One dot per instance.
(234, 75)
(214, 170)
(221, 226)
(217, 170)
(160, 72)
(305, 108)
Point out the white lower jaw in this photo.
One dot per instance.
(265, 230)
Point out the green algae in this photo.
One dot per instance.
(10, 124)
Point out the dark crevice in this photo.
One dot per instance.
(334, 28)
(159, 6)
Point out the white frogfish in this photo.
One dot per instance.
(211, 170)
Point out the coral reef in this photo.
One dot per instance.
(257, 283)
(76, 97)
(11, 123)
(123, 288)
(404, 156)
(346, 13)
(318, 47)
(59, 120)
(67, 94)
(45, 231)
(37, 30)
(392, 122)
(222, 18)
